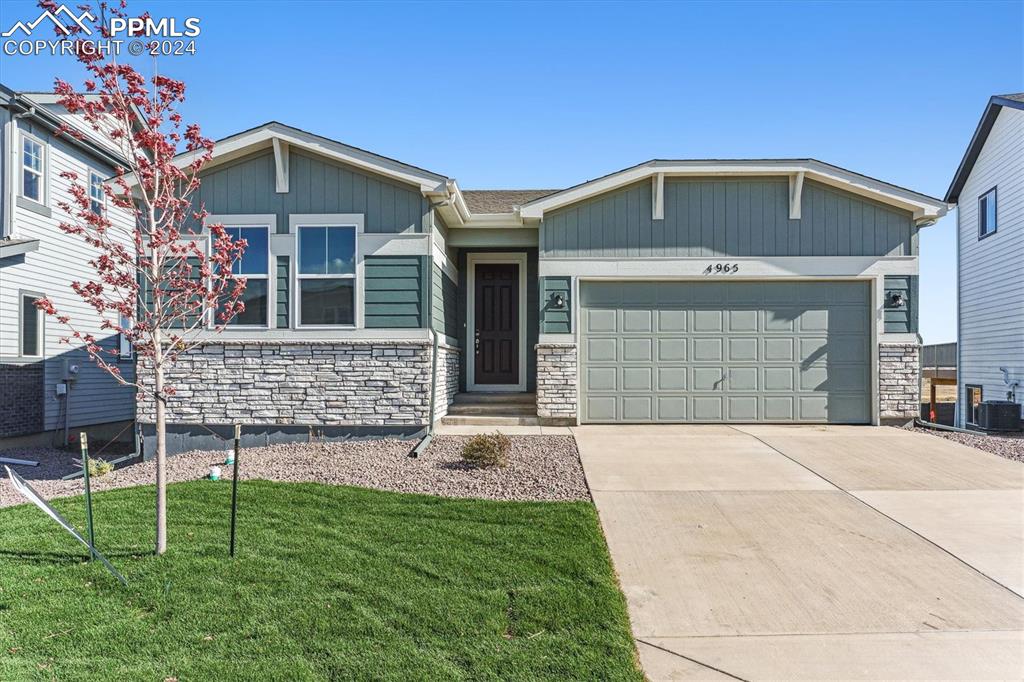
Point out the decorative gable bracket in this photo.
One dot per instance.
(281, 154)
(796, 192)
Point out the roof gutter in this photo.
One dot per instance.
(53, 124)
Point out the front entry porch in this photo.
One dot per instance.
(492, 409)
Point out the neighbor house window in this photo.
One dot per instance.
(327, 275)
(973, 399)
(124, 346)
(987, 213)
(31, 323)
(254, 265)
(96, 193)
(33, 164)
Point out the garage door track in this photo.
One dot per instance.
(767, 552)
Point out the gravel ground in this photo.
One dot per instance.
(1010, 446)
(540, 468)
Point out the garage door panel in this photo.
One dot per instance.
(707, 350)
(601, 320)
(671, 379)
(726, 351)
(637, 350)
(637, 321)
(600, 350)
(672, 349)
(671, 321)
(707, 321)
(743, 349)
(743, 320)
(741, 408)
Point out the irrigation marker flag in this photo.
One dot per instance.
(30, 494)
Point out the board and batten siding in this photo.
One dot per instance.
(96, 398)
(721, 217)
(991, 270)
(315, 185)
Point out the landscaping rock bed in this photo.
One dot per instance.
(1010, 446)
(540, 468)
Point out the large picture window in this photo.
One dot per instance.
(254, 265)
(326, 274)
(33, 169)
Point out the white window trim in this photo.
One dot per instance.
(472, 259)
(103, 195)
(265, 220)
(22, 295)
(993, 193)
(356, 220)
(44, 162)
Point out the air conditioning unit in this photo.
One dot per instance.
(999, 415)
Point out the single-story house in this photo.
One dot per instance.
(758, 290)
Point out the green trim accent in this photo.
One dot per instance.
(283, 291)
(555, 320)
(902, 320)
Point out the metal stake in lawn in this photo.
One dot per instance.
(88, 493)
(234, 486)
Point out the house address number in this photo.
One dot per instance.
(722, 269)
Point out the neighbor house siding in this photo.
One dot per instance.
(61, 259)
(727, 217)
(991, 270)
(316, 185)
(397, 291)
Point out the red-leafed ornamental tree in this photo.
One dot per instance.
(157, 281)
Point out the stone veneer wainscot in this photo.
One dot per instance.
(556, 382)
(326, 383)
(899, 381)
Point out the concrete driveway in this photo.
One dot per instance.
(768, 552)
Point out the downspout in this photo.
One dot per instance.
(425, 441)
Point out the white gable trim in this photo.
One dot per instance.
(924, 208)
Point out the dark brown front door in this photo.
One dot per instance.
(496, 314)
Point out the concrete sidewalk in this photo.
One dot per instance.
(812, 552)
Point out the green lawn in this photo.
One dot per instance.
(329, 583)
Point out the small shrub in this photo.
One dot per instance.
(99, 467)
(487, 450)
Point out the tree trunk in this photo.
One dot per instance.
(161, 460)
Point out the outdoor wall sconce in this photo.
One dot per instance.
(557, 301)
(896, 300)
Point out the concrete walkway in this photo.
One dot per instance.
(768, 552)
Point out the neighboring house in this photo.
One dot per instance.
(988, 189)
(672, 291)
(41, 394)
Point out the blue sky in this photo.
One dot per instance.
(547, 95)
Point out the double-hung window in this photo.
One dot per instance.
(987, 214)
(972, 398)
(326, 275)
(124, 345)
(30, 345)
(95, 193)
(254, 265)
(33, 169)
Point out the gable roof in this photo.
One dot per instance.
(501, 200)
(988, 119)
(263, 136)
(926, 209)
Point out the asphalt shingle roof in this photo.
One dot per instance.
(501, 200)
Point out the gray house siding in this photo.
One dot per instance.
(397, 292)
(315, 185)
(283, 292)
(555, 320)
(727, 217)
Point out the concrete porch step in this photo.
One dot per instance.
(493, 409)
(495, 398)
(471, 420)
